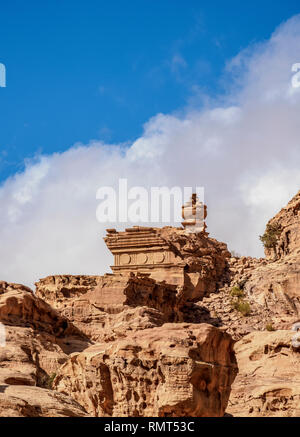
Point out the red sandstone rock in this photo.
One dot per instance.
(173, 370)
(25, 401)
(288, 222)
(205, 262)
(110, 305)
(37, 341)
(268, 383)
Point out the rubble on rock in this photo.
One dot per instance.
(205, 262)
(270, 286)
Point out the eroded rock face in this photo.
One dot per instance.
(173, 370)
(37, 341)
(268, 383)
(110, 305)
(20, 307)
(270, 288)
(109, 322)
(56, 289)
(288, 222)
(29, 357)
(109, 290)
(26, 401)
(205, 261)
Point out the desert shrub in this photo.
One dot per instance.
(49, 381)
(242, 306)
(236, 291)
(270, 237)
(270, 327)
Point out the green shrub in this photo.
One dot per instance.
(242, 306)
(236, 292)
(270, 327)
(49, 381)
(270, 237)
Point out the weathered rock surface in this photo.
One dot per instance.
(109, 322)
(26, 401)
(56, 290)
(205, 261)
(173, 370)
(270, 288)
(288, 222)
(28, 357)
(110, 305)
(268, 383)
(20, 307)
(37, 340)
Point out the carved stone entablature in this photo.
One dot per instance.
(145, 250)
(142, 249)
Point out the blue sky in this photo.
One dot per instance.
(162, 93)
(82, 70)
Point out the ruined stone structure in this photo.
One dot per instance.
(141, 249)
(194, 214)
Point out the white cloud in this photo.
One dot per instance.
(245, 152)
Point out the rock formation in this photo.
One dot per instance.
(286, 231)
(26, 401)
(156, 336)
(173, 370)
(37, 342)
(268, 383)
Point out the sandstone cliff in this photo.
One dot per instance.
(286, 231)
(156, 337)
(37, 342)
(174, 370)
(268, 383)
(164, 369)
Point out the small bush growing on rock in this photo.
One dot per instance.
(242, 306)
(270, 237)
(49, 381)
(270, 327)
(236, 291)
